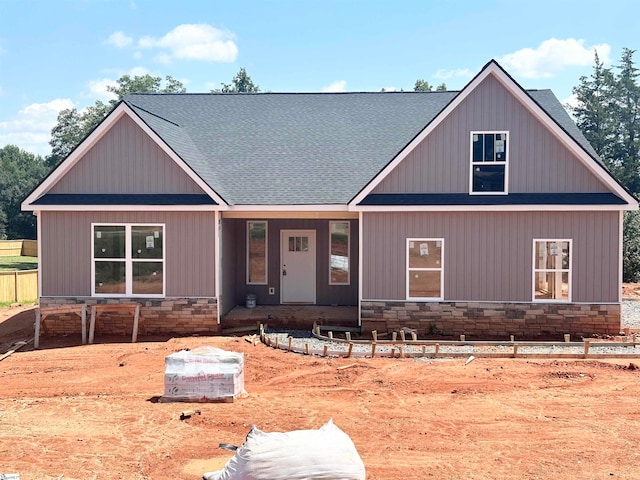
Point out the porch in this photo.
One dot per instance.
(296, 317)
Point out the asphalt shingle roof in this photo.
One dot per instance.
(299, 148)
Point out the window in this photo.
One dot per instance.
(552, 270)
(339, 253)
(489, 152)
(128, 260)
(257, 253)
(424, 268)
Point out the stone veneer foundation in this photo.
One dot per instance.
(175, 315)
(488, 320)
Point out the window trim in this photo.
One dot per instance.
(505, 163)
(431, 269)
(129, 260)
(266, 252)
(535, 270)
(348, 282)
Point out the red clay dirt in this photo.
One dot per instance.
(90, 412)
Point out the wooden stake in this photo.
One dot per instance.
(435, 353)
(347, 336)
(277, 342)
(394, 335)
(512, 338)
(414, 336)
(424, 350)
(402, 335)
(515, 350)
(36, 341)
(586, 348)
(306, 348)
(344, 367)
(330, 335)
(373, 350)
(324, 352)
(290, 340)
(350, 349)
(374, 335)
(462, 337)
(393, 353)
(400, 351)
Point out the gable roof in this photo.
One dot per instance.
(315, 149)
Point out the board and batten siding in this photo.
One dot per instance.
(189, 256)
(488, 256)
(126, 160)
(537, 161)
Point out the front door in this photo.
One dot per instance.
(298, 266)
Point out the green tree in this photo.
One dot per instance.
(241, 83)
(424, 86)
(74, 125)
(20, 172)
(608, 113)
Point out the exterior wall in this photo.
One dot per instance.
(126, 160)
(492, 320)
(537, 161)
(488, 255)
(173, 315)
(325, 294)
(189, 257)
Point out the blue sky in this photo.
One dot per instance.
(57, 54)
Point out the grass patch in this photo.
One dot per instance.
(8, 264)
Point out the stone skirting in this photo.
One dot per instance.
(489, 320)
(173, 315)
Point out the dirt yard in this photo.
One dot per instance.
(90, 412)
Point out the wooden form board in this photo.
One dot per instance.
(132, 308)
(44, 312)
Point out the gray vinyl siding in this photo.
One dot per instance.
(126, 160)
(488, 255)
(189, 256)
(325, 294)
(537, 161)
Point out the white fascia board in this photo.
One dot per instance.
(494, 69)
(289, 208)
(111, 119)
(130, 208)
(423, 134)
(492, 208)
(572, 145)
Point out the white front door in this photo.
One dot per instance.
(298, 266)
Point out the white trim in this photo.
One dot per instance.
(620, 255)
(440, 269)
(492, 208)
(505, 163)
(348, 282)
(218, 261)
(494, 69)
(129, 261)
(535, 270)
(129, 208)
(38, 215)
(111, 119)
(290, 208)
(266, 252)
(360, 265)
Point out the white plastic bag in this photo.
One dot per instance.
(324, 454)
(204, 374)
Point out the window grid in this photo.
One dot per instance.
(558, 273)
(425, 250)
(489, 154)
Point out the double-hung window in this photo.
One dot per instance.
(339, 253)
(128, 260)
(489, 155)
(425, 279)
(552, 270)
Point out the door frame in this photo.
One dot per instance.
(283, 243)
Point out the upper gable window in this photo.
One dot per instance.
(489, 154)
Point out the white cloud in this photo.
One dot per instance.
(553, 56)
(30, 128)
(193, 42)
(97, 89)
(570, 101)
(119, 39)
(337, 86)
(455, 73)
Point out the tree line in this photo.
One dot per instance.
(607, 111)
